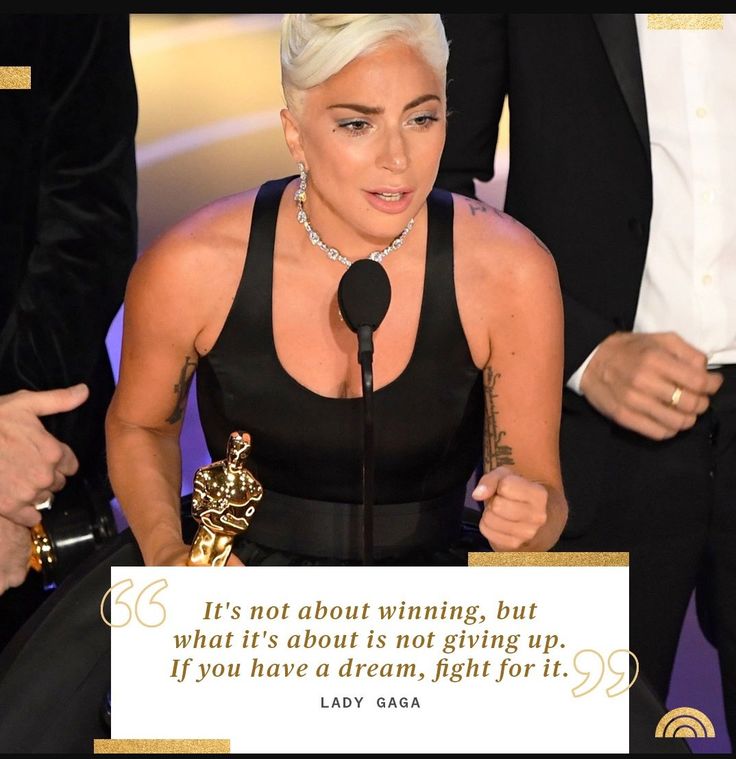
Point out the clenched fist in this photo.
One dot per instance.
(516, 511)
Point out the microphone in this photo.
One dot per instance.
(363, 295)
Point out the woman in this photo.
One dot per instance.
(469, 353)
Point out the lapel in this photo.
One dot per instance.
(618, 33)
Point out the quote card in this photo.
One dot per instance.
(375, 659)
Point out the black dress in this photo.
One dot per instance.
(307, 448)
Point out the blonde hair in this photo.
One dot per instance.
(314, 46)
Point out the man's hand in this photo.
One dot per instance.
(655, 384)
(33, 463)
(15, 550)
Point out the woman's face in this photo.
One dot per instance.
(371, 137)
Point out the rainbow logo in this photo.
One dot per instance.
(685, 723)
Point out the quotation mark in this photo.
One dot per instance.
(590, 663)
(146, 609)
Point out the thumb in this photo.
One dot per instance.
(44, 402)
(488, 484)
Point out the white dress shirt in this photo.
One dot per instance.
(689, 281)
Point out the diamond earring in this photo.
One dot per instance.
(301, 194)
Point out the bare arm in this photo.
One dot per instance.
(521, 309)
(177, 300)
(144, 420)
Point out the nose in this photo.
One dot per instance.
(394, 155)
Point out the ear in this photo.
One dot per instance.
(293, 135)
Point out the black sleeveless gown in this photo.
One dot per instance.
(307, 448)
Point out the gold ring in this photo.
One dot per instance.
(45, 504)
(676, 395)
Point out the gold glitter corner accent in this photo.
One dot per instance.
(693, 21)
(162, 746)
(15, 77)
(685, 722)
(548, 559)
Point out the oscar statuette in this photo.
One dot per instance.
(224, 499)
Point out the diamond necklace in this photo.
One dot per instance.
(333, 253)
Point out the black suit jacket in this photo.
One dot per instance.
(67, 210)
(580, 174)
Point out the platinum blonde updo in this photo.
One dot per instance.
(314, 46)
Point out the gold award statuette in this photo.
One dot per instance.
(223, 502)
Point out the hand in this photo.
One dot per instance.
(515, 510)
(33, 463)
(632, 379)
(177, 555)
(15, 550)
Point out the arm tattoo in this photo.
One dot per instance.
(478, 206)
(181, 388)
(495, 453)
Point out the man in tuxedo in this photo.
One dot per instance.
(67, 243)
(622, 161)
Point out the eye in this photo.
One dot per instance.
(354, 126)
(424, 120)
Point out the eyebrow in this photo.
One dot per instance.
(369, 110)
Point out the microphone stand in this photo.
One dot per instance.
(363, 296)
(365, 359)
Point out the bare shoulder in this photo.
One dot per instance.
(204, 242)
(494, 249)
(190, 274)
(182, 287)
(505, 279)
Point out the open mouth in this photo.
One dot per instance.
(391, 197)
